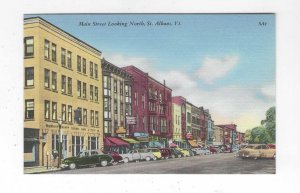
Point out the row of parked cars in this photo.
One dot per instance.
(102, 158)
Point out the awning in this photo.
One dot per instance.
(129, 140)
(155, 144)
(172, 145)
(121, 130)
(108, 143)
(117, 141)
(192, 143)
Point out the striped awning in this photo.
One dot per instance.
(192, 143)
(130, 140)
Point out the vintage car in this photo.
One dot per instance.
(137, 155)
(155, 152)
(176, 153)
(201, 151)
(87, 158)
(166, 153)
(185, 152)
(191, 152)
(257, 151)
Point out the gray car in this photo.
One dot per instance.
(137, 155)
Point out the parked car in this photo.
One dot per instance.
(185, 152)
(272, 146)
(155, 152)
(166, 153)
(257, 151)
(201, 151)
(191, 153)
(213, 149)
(176, 153)
(87, 158)
(117, 158)
(137, 155)
(234, 149)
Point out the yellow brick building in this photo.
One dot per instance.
(62, 79)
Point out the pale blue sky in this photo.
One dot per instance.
(184, 48)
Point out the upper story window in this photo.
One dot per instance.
(78, 63)
(84, 90)
(96, 93)
(69, 86)
(91, 92)
(115, 86)
(54, 81)
(78, 88)
(29, 109)
(53, 50)
(63, 84)
(121, 87)
(69, 59)
(96, 71)
(47, 49)
(29, 76)
(91, 69)
(47, 109)
(63, 57)
(47, 78)
(28, 46)
(83, 65)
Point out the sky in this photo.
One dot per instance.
(223, 62)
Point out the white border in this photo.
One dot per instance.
(288, 79)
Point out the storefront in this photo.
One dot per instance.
(142, 138)
(31, 147)
(116, 144)
(132, 142)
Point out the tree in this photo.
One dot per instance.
(270, 123)
(260, 135)
(248, 135)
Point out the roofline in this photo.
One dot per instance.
(104, 61)
(26, 20)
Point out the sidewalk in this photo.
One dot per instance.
(39, 169)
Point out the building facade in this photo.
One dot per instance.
(218, 136)
(230, 135)
(210, 128)
(152, 106)
(63, 80)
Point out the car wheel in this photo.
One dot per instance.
(103, 163)
(173, 156)
(155, 158)
(166, 157)
(147, 158)
(126, 160)
(179, 156)
(72, 166)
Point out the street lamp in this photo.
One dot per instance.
(59, 121)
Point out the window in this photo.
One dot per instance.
(69, 114)
(91, 69)
(96, 118)
(47, 78)
(53, 54)
(84, 116)
(69, 59)
(121, 108)
(91, 92)
(93, 143)
(135, 98)
(115, 86)
(78, 88)
(84, 90)
(107, 127)
(63, 112)
(63, 84)
(78, 63)
(77, 145)
(28, 46)
(54, 110)
(96, 93)
(47, 49)
(63, 57)
(84, 65)
(106, 85)
(29, 109)
(107, 108)
(47, 109)
(69, 86)
(54, 81)
(92, 117)
(29, 76)
(96, 71)
(116, 107)
(143, 101)
(121, 87)
(78, 115)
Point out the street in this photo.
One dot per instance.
(223, 163)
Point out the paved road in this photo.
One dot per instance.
(224, 163)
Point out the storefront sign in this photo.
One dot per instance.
(130, 120)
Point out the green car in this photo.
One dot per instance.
(87, 158)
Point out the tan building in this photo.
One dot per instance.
(63, 80)
(218, 134)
